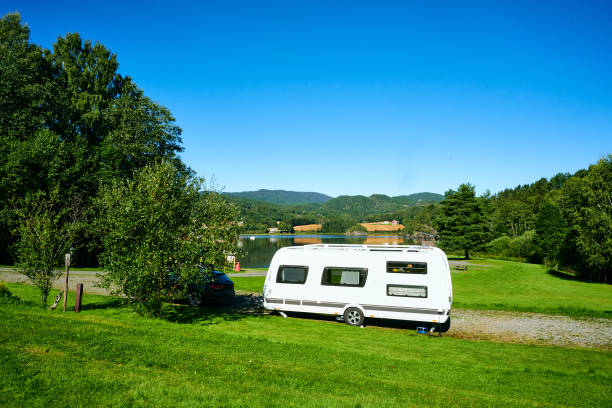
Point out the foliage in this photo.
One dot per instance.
(523, 246)
(462, 222)
(157, 230)
(282, 197)
(69, 121)
(360, 206)
(356, 228)
(284, 227)
(4, 290)
(587, 200)
(551, 232)
(421, 220)
(500, 245)
(47, 230)
(336, 224)
(515, 210)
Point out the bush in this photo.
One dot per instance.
(47, 229)
(4, 290)
(523, 246)
(157, 230)
(6, 295)
(499, 245)
(357, 228)
(336, 224)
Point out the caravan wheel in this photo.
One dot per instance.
(443, 328)
(353, 316)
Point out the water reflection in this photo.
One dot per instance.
(259, 249)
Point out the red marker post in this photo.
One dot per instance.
(79, 295)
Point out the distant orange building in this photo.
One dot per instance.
(307, 228)
(382, 226)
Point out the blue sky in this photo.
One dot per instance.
(363, 97)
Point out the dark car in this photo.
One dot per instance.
(215, 287)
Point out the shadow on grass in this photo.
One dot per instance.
(370, 322)
(458, 258)
(110, 303)
(241, 307)
(566, 276)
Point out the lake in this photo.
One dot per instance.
(259, 249)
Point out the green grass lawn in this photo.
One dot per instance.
(508, 285)
(249, 283)
(109, 356)
(515, 286)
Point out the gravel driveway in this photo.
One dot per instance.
(531, 328)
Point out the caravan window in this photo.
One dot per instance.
(355, 277)
(407, 267)
(292, 274)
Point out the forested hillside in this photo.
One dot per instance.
(362, 206)
(282, 197)
(341, 212)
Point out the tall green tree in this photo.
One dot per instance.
(551, 232)
(337, 224)
(463, 219)
(47, 229)
(26, 105)
(157, 230)
(69, 122)
(587, 200)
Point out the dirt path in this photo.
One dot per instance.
(87, 278)
(531, 328)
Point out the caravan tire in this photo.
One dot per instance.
(353, 316)
(443, 327)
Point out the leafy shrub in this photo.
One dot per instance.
(4, 290)
(523, 246)
(6, 295)
(357, 228)
(499, 245)
(156, 230)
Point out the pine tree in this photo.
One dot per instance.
(462, 223)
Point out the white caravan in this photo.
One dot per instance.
(357, 281)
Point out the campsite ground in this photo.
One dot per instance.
(240, 357)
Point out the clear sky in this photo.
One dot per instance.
(363, 97)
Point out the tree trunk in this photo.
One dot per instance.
(57, 300)
(466, 253)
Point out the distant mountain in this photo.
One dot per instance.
(283, 197)
(419, 198)
(379, 203)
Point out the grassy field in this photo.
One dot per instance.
(109, 356)
(507, 285)
(249, 283)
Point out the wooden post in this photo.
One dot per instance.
(67, 259)
(79, 295)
